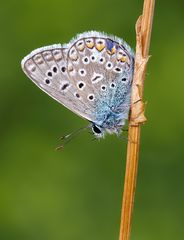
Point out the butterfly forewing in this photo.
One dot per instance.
(46, 67)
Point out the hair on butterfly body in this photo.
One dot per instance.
(91, 76)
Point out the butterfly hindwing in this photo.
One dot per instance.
(101, 68)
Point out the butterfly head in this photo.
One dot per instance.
(98, 131)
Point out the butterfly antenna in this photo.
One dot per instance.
(68, 137)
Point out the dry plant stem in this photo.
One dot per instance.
(143, 35)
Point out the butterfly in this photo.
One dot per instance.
(91, 76)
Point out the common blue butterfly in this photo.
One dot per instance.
(91, 76)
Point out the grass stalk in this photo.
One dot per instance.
(143, 35)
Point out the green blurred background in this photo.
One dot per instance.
(76, 193)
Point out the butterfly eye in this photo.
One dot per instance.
(96, 130)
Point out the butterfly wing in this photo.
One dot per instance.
(47, 68)
(101, 67)
(91, 75)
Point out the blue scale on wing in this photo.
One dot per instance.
(110, 44)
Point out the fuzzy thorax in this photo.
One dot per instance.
(112, 124)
